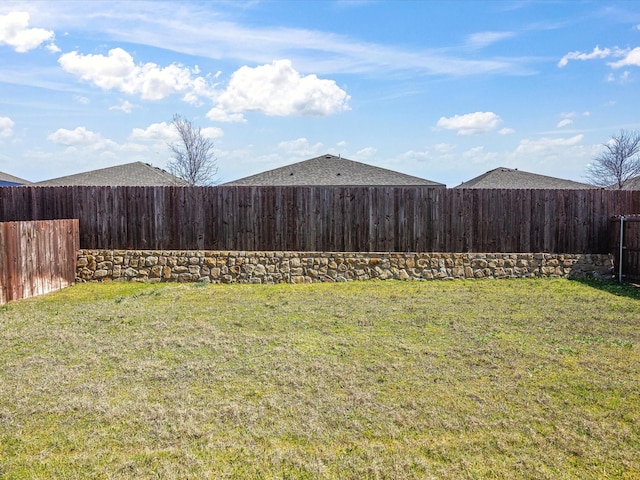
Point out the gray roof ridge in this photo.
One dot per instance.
(82, 177)
(522, 174)
(316, 176)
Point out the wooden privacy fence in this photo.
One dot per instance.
(37, 257)
(625, 246)
(358, 219)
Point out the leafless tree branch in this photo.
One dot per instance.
(193, 158)
(618, 163)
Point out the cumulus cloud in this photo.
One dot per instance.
(471, 123)
(212, 132)
(300, 147)
(162, 131)
(624, 77)
(547, 145)
(596, 53)
(506, 131)
(6, 127)
(443, 148)
(124, 106)
(477, 155)
(631, 58)
(628, 57)
(166, 133)
(15, 32)
(567, 118)
(365, 153)
(80, 137)
(118, 71)
(217, 114)
(277, 89)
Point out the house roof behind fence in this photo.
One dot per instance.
(632, 184)
(129, 174)
(7, 180)
(329, 170)
(513, 179)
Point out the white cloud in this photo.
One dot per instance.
(216, 114)
(506, 131)
(364, 153)
(53, 48)
(82, 100)
(164, 132)
(477, 155)
(547, 145)
(204, 30)
(6, 127)
(624, 77)
(444, 147)
(15, 32)
(414, 155)
(443, 152)
(300, 147)
(117, 71)
(482, 39)
(212, 132)
(631, 58)
(279, 90)
(596, 53)
(564, 122)
(471, 123)
(125, 106)
(80, 137)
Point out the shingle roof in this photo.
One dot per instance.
(129, 174)
(512, 178)
(631, 184)
(7, 180)
(329, 170)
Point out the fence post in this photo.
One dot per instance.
(621, 248)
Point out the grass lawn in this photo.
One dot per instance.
(483, 379)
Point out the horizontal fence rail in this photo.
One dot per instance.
(37, 257)
(356, 219)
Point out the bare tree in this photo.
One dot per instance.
(619, 162)
(193, 158)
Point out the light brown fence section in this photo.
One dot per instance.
(37, 257)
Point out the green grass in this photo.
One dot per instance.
(534, 379)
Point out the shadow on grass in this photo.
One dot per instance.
(623, 289)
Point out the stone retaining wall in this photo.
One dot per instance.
(306, 267)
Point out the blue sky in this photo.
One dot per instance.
(441, 90)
